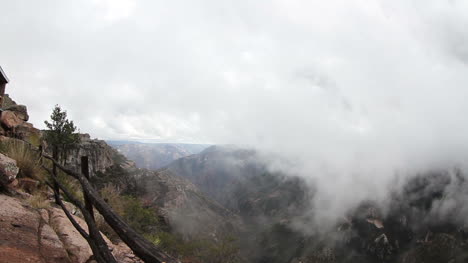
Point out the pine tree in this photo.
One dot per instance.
(61, 134)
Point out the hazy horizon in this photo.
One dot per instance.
(352, 95)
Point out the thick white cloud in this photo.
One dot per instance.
(351, 90)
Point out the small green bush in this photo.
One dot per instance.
(140, 218)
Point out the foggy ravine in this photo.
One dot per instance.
(351, 93)
(283, 219)
(358, 99)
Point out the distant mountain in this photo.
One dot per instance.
(155, 155)
(422, 222)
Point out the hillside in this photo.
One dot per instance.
(166, 209)
(155, 155)
(419, 223)
(223, 204)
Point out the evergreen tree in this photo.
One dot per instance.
(61, 134)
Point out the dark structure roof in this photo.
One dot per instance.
(3, 77)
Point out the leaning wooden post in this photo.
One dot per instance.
(85, 172)
(54, 174)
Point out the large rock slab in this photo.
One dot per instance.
(25, 235)
(77, 247)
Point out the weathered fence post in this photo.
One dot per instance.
(85, 172)
(54, 174)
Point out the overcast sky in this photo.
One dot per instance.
(239, 71)
(358, 87)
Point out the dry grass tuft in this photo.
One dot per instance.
(26, 159)
(38, 201)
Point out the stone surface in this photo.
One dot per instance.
(77, 247)
(8, 170)
(25, 235)
(46, 236)
(10, 120)
(100, 155)
(20, 111)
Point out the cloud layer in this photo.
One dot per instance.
(352, 91)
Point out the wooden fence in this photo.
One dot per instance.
(143, 248)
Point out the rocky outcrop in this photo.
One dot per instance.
(14, 123)
(10, 120)
(100, 155)
(77, 247)
(46, 235)
(25, 237)
(20, 111)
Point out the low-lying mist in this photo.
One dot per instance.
(354, 96)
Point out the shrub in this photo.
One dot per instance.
(71, 184)
(112, 195)
(141, 219)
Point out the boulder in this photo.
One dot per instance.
(20, 111)
(9, 120)
(8, 170)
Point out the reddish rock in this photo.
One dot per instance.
(25, 236)
(10, 120)
(20, 111)
(76, 246)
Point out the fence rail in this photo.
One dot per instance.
(143, 248)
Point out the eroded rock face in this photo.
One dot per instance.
(8, 170)
(46, 236)
(14, 121)
(25, 235)
(100, 155)
(10, 120)
(20, 111)
(77, 247)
